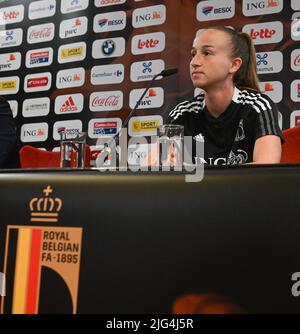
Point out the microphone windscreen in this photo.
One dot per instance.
(170, 71)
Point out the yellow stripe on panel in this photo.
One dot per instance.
(21, 271)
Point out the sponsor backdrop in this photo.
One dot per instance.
(82, 65)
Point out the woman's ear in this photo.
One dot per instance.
(236, 65)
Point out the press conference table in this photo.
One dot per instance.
(124, 242)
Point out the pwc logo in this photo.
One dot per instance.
(265, 33)
(107, 74)
(110, 21)
(13, 14)
(104, 3)
(146, 70)
(149, 16)
(73, 27)
(148, 43)
(214, 10)
(295, 60)
(70, 6)
(262, 7)
(10, 61)
(39, 57)
(10, 38)
(106, 101)
(74, 77)
(37, 82)
(34, 132)
(41, 9)
(273, 89)
(144, 125)
(9, 85)
(104, 127)
(295, 91)
(71, 52)
(40, 33)
(154, 98)
(36, 107)
(108, 48)
(69, 104)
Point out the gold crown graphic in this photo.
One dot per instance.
(45, 209)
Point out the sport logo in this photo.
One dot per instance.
(39, 57)
(40, 33)
(73, 27)
(37, 82)
(106, 101)
(148, 43)
(10, 61)
(265, 33)
(107, 48)
(9, 85)
(110, 21)
(215, 10)
(12, 14)
(71, 52)
(69, 104)
(144, 125)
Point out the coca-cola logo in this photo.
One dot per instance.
(43, 33)
(262, 33)
(297, 61)
(37, 82)
(110, 101)
(148, 43)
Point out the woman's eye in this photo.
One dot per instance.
(193, 54)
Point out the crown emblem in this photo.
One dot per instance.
(45, 209)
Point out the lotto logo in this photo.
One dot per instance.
(265, 33)
(148, 43)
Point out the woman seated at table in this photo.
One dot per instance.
(239, 123)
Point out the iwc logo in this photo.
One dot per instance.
(42, 263)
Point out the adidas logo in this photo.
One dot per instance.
(69, 105)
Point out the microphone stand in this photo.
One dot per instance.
(107, 150)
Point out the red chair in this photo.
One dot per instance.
(291, 147)
(32, 157)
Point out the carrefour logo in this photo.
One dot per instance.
(211, 10)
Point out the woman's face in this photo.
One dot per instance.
(211, 64)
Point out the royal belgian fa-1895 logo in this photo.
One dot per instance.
(42, 263)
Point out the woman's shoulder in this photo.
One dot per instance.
(254, 98)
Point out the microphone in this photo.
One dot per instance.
(163, 73)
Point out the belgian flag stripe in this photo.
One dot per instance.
(34, 273)
(21, 271)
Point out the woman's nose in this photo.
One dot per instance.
(196, 60)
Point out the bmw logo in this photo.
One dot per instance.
(108, 47)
